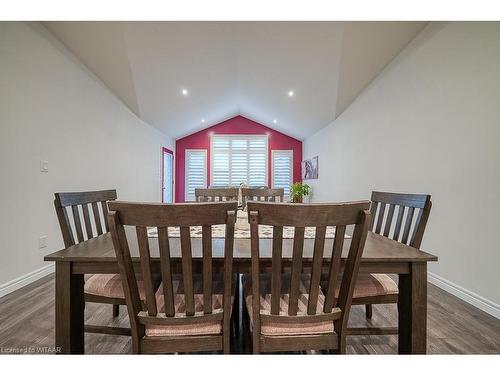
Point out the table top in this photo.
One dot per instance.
(377, 249)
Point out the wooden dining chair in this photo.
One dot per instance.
(403, 218)
(262, 194)
(188, 312)
(289, 311)
(216, 194)
(92, 206)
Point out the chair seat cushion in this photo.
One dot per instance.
(109, 285)
(191, 329)
(285, 329)
(372, 285)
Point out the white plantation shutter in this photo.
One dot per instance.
(196, 172)
(237, 159)
(283, 170)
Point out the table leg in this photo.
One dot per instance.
(69, 310)
(412, 310)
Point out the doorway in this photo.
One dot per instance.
(167, 175)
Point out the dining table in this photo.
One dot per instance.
(380, 255)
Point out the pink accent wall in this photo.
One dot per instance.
(235, 125)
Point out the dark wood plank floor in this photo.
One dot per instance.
(27, 322)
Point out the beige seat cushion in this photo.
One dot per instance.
(285, 329)
(372, 285)
(109, 285)
(208, 328)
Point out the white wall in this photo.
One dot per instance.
(52, 108)
(430, 123)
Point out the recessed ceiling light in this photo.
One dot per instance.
(290, 93)
(275, 121)
(184, 92)
(202, 120)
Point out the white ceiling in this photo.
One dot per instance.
(232, 68)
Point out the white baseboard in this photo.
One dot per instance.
(474, 299)
(21, 281)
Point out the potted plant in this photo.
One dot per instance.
(298, 191)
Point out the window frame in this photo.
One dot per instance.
(289, 151)
(186, 170)
(241, 136)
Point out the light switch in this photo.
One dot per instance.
(42, 242)
(44, 166)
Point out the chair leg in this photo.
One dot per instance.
(226, 342)
(369, 311)
(341, 349)
(116, 310)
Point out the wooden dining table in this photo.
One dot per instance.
(380, 255)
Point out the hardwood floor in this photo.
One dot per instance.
(27, 324)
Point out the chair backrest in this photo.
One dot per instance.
(79, 203)
(412, 231)
(212, 194)
(262, 194)
(299, 216)
(163, 216)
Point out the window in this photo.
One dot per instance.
(282, 171)
(237, 159)
(196, 172)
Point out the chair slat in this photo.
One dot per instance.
(399, 221)
(86, 218)
(97, 218)
(380, 218)
(373, 211)
(104, 205)
(187, 270)
(276, 270)
(319, 247)
(78, 224)
(145, 259)
(166, 271)
(298, 248)
(388, 221)
(417, 224)
(338, 244)
(207, 268)
(409, 218)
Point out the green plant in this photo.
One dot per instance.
(298, 191)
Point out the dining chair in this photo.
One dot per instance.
(262, 194)
(188, 312)
(212, 194)
(92, 206)
(289, 311)
(403, 218)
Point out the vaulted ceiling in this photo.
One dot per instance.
(231, 68)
